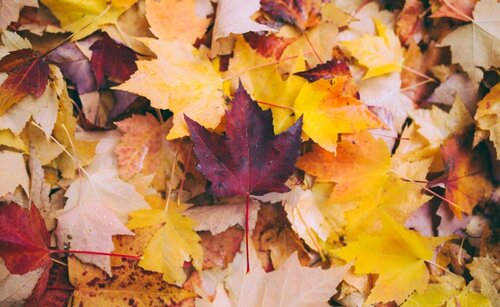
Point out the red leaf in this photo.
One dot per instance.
(335, 67)
(58, 289)
(24, 239)
(267, 45)
(250, 159)
(28, 74)
(112, 59)
(301, 13)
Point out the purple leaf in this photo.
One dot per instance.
(249, 159)
(75, 66)
(112, 59)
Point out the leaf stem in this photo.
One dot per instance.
(275, 105)
(71, 251)
(247, 230)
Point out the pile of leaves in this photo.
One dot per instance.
(249, 153)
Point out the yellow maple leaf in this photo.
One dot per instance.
(173, 19)
(173, 243)
(488, 118)
(380, 53)
(183, 80)
(330, 107)
(398, 255)
(86, 17)
(129, 284)
(365, 182)
(261, 78)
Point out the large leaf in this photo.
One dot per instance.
(250, 159)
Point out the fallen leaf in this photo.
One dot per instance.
(330, 107)
(9, 12)
(171, 20)
(112, 59)
(173, 243)
(28, 74)
(24, 240)
(381, 54)
(397, 255)
(410, 22)
(218, 218)
(42, 109)
(302, 14)
(86, 18)
(487, 118)
(75, 66)
(182, 80)
(460, 10)
(264, 161)
(219, 250)
(269, 45)
(457, 84)
(467, 181)
(295, 285)
(232, 16)
(15, 289)
(12, 172)
(7, 138)
(474, 45)
(105, 187)
(143, 149)
(81, 229)
(128, 284)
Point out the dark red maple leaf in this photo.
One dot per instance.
(301, 13)
(28, 74)
(250, 158)
(112, 59)
(268, 45)
(337, 66)
(24, 239)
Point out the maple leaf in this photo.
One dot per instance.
(183, 80)
(381, 54)
(233, 16)
(128, 284)
(12, 172)
(104, 186)
(173, 243)
(143, 149)
(303, 14)
(86, 18)
(474, 45)
(42, 109)
(171, 20)
(9, 12)
(330, 107)
(75, 66)
(81, 229)
(364, 185)
(112, 59)
(328, 70)
(8, 139)
(267, 45)
(24, 240)
(28, 74)
(467, 180)
(398, 255)
(487, 119)
(250, 159)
